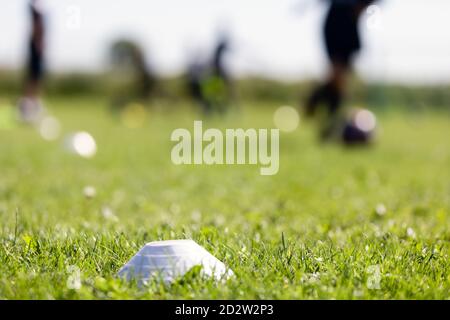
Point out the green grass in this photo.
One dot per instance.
(311, 231)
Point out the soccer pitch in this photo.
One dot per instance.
(333, 223)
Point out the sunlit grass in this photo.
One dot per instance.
(311, 231)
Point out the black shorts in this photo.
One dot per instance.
(35, 64)
(341, 34)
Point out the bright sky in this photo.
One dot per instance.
(407, 41)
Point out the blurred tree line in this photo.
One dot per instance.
(251, 89)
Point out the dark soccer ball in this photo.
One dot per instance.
(359, 129)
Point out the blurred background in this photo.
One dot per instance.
(275, 52)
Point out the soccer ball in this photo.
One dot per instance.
(359, 128)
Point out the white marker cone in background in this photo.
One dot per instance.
(171, 259)
(81, 143)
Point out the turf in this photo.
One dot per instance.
(311, 231)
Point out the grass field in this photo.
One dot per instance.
(314, 230)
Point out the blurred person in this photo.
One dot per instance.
(342, 42)
(145, 78)
(219, 85)
(129, 61)
(210, 84)
(195, 76)
(218, 64)
(30, 105)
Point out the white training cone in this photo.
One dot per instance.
(168, 260)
